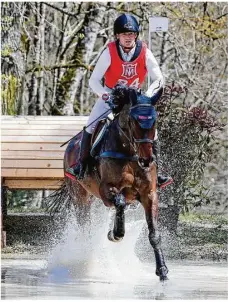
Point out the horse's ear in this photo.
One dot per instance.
(132, 95)
(157, 96)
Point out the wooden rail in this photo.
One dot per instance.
(31, 154)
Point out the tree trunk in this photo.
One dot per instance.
(41, 87)
(91, 27)
(12, 64)
(33, 90)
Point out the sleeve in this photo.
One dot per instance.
(98, 73)
(155, 74)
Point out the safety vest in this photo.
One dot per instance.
(131, 74)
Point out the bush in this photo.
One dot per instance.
(185, 133)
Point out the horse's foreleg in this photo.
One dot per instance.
(151, 211)
(118, 231)
(111, 196)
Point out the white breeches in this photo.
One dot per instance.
(101, 108)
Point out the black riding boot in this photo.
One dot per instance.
(163, 181)
(79, 170)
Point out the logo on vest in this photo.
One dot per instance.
(129, 70)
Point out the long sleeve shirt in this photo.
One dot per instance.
(104, 62)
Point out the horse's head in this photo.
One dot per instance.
(131, 104)
(138, 116)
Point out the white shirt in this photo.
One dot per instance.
(104, 62)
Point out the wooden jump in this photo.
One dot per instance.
(31, 156)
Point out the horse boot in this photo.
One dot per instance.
(163, 181)
(79, 170)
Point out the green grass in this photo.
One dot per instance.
(204, 218)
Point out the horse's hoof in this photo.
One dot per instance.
(162, 273)
(164, 278)
(113, 238)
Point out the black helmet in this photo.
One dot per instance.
(126, 23)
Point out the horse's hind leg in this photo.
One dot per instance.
(150, 204)
(81, 202)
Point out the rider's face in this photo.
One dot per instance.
(127, 40)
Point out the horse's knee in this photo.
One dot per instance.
(111, 196)
(119, 201)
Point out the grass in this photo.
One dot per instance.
(204, 218)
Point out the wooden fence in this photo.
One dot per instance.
(31, 156)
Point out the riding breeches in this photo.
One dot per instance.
(101, 110)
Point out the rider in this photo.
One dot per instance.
(125, 61)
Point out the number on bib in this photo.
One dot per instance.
(134, 84)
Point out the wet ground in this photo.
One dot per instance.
(83, 264)
(33, 279)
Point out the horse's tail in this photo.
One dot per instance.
(59, 200)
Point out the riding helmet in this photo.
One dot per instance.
(126, 23)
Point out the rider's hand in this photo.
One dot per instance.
(108, 98)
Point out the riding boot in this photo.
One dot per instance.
(163, 181)
(80, 168)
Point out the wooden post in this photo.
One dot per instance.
(3, 214)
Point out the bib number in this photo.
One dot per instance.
(134, 84)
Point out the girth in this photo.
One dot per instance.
(117, 155)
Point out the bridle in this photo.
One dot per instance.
(134, 143)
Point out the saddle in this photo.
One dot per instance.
(98, 135)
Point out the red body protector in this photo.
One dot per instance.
(131, 74)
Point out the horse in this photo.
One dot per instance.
(121, 168)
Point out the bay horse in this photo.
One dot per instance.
(122, 168)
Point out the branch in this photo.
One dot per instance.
(60, 10)
(57, 66)
(222, 16)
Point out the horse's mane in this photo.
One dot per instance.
(123, 95)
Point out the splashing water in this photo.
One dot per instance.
(83, 253)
